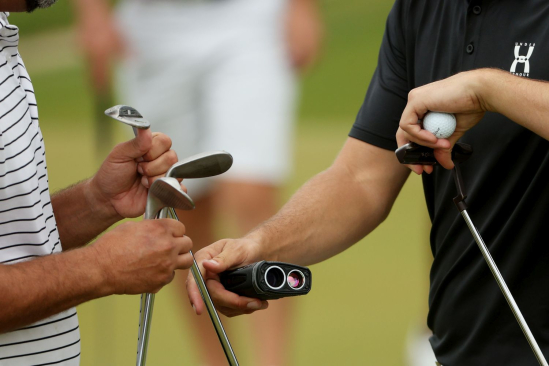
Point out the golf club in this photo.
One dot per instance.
(414, 154)
(197, 166)
(201, 166)
(129, 116)
(164, 192)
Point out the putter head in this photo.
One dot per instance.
(129, 116)
(415, 154)
(166, 192)
(202, 165)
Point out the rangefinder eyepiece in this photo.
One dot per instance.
(274, 277)
(268, 280)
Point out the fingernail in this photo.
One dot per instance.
(145, 182)
(254, 305)
(139, 169)
(213, 261)
(195, 310)
(139, 159)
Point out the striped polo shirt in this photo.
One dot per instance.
(27, 225)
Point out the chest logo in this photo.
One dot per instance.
(522, 59)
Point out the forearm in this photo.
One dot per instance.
(336, 208)
(37, 289)
(81, 214)
(91, 9)
(312, 226)
(520, 99)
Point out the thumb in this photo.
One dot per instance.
(223, 261)
(136, 147)
(194, 295)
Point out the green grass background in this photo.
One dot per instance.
(363, 301)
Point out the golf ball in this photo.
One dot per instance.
(442, 125)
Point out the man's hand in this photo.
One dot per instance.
(134, 258)
(118, 190)
(221, 256)
(121, 184)
(140, 257)
(303, 32)
(459, 94)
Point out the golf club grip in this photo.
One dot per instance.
(505, 290)
(212, 312)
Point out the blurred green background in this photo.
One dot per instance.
(363, 301)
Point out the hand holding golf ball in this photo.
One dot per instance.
(440, 124)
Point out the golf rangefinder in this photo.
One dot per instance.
(268, 280)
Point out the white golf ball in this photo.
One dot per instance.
(442, 125)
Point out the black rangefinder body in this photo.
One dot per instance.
(268, 280)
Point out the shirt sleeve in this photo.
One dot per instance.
(378, 118)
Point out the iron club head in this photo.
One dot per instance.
(129, 116)
(166, 192)
(202, 165)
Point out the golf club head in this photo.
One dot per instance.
(202, 165)
(415, 154)
(166, 192)
(129, 116)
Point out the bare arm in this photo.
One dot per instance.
(522, 100)
(304, 32)
(131, 259)
(327, 215)
(469, 95)
(28, 294)
(99, 38)
(81, 214)
(336, 208)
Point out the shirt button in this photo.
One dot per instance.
(477, 9)
(470, 48)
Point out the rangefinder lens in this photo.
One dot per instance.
(296, 280)
(274, 276)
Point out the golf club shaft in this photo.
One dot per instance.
(145, 315)
(223, 338)
(505, 290)
(147, 303)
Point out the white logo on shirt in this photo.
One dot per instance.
(521, 59)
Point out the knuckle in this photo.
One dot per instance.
(169, 278)
(154, 228)
(413, 94)
(172, 157)
(189, 245)
(167, 247)
(164, 140)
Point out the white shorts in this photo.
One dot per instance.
(213, 75)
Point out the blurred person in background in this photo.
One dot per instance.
(46, 268)
(214, 75)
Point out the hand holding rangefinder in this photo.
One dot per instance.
(268, 280)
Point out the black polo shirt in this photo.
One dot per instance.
(507, 177)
